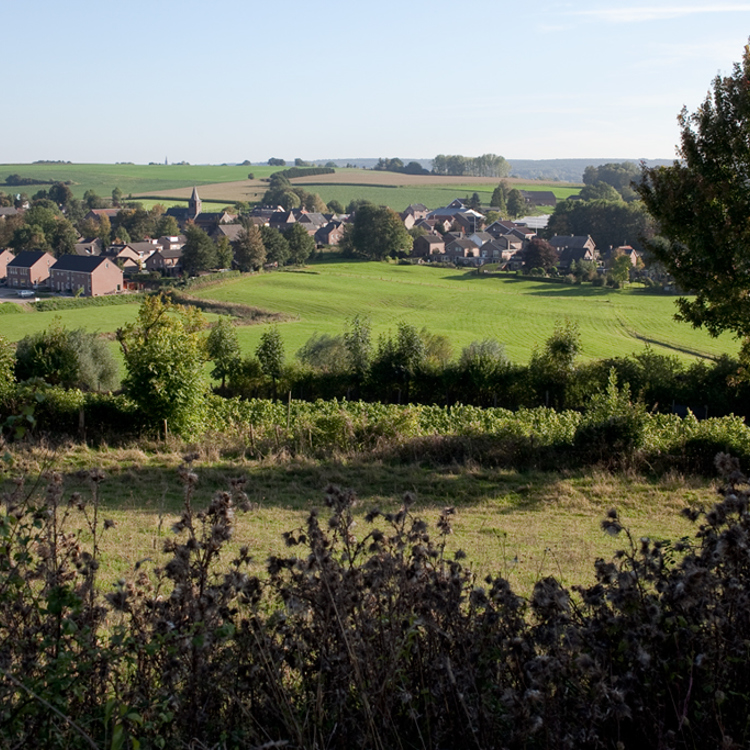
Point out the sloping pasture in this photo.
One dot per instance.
(465, 307)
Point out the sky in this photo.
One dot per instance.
(212, 83)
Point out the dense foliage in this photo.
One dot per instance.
(164, 353)
(701, 205)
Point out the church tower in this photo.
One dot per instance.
(194, 205)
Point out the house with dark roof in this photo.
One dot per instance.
(29, 269)
(330, 234)
(97, 213)
(230, 231)
(428, 245)
(6, 256)
(89, 247)
(579, 242)
(167, 262)
(7, 211)
(93, 276)
(539, 197)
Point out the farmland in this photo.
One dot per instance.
(229, 184)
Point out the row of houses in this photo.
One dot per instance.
(90, 276)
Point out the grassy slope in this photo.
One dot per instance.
(465, 308)
(455, 303)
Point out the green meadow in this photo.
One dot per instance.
(458, 304)
(130, 178)
(465, 307)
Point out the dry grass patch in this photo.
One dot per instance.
(523, 525)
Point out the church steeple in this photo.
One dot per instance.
(194, 205)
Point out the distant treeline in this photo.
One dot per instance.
(17, 181)
(487, 165)
(293, 172)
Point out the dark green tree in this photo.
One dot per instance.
(358, 343)
(60, 193)
(116, 196)
(599, 191)
(516, 203)
(92, 200)
(376, 233)
(608, 222)
(223, 349)
(619, 175)
(199, 252)
(499, 197)
(701, 205)
(270, 354)
(335, 207)
(277, 248)
(301, 244)
(167, 226)
(224, 253)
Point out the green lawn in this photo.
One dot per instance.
(458, 304)
(465, 307)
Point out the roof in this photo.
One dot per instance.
(27, 258)
(574, 241)
(86, 264)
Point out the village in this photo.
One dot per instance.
(454, 234)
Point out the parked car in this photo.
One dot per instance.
(25, 293)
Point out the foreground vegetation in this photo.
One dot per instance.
(374, 634)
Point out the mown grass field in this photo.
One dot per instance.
(465, 307)
(458, 304)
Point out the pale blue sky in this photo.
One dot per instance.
(212, 83)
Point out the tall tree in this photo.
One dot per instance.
(249, 250)
(377, 233)
(702, 205)
(164, 352)
(516, 203)
(199, 252)
(223, 349)
(270, 354)
(301, 244)
(277, 248)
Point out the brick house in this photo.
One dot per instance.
(167, 262)
(29, 269)
(428, 245)
(6, 256)
(95, 275)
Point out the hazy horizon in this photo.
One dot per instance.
(552, 80)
